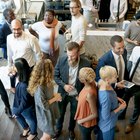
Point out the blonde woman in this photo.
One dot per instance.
(86, 114)
(109, 108)
(41, 87)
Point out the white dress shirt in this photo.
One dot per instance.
(114, 8)
(26, 46)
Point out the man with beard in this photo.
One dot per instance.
(78, 25)
(65, 75)
(5, 29)
(21, 45)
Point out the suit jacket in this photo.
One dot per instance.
(61, 74)
(4, 32)
(108, 59)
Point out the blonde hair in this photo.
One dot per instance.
(87, 74)
(107, 72)
(42, 74)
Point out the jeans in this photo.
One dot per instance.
(109, 135)
(134, 91)
(4, 95)
(62, 107)
(86, 132)
(27, 119)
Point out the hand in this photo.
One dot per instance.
(77, 97)
(12, 71)
(136, 42)
(120, 85)
(57, 97)
(94, 10)
(121, 101)
(68, 88)
(122, 105)
(79, 121)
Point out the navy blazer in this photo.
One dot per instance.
(4, 32)
(108, 59)
(61, 74)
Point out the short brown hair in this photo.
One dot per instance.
(72, 45)
(115, 38)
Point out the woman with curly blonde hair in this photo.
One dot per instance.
(41, 87)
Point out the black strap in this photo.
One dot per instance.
(133, 72)
(94, 2)
(118, 10)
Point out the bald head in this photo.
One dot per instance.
(16, 25)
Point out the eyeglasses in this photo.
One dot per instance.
(73, 7)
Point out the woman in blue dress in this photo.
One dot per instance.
(109, 104)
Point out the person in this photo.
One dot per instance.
(6, 4)
(104, 11)
(135, 90)
(90, 11)
(118, 9)
(41, 87)
(108, 106)
(132, 35)
(5, 30)
(65, 76)
(47, 31)
(117, 58)
(5, 100)
(78, 25)
(23, 106)
(86, 114)
(21, 45)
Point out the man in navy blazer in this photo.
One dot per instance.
(66, 76)
(111, 58)
(5, 29)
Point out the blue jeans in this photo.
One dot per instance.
(109, 135)
(27, 119)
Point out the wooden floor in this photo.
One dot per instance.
(10, 129)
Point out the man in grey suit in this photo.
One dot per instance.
(69, 86)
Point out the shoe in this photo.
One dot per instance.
(57, 134)
(25, 133)
(117, 129)
(129, 128)
(71, 135)
(31, 137)
(8, 112)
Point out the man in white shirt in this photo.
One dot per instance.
(21, 44)
(78, 25)
(90, 11)
(114, 9)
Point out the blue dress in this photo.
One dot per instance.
(108, 102)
